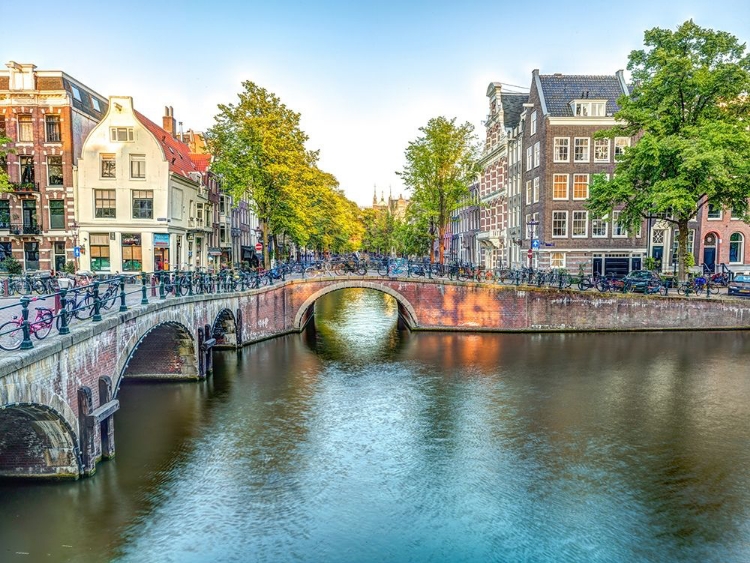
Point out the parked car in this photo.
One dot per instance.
(740, 285)
(643, 281)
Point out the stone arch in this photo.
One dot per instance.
(37, 441)
(166, 350)
(405, 307)
(224, 329)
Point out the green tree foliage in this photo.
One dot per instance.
(4, 150)
(259, 150)
(689, 107)
(379, 228)
(440, 166)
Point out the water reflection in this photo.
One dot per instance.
(361, 443)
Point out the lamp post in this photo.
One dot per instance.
(532, 237)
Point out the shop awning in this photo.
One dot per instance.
(214, 251)
(247, 252)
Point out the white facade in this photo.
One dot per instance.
(139, 199)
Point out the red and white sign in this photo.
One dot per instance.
(530, 253)
(258, 247)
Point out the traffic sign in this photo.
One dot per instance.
(258, 247)
(535, 244)
(76, 251)
(530, 253)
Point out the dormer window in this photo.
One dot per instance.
(121, 134)
(589, 108)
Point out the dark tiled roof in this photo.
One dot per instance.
(85, 104)
(512, 107)
(559, 90)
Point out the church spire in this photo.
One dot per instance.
(374, 195)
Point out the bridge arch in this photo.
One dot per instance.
(37, 441)
(406, 309)
(162, 351)
(224, 329)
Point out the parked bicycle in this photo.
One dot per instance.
(11, 332)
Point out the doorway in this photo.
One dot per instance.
(709, 252)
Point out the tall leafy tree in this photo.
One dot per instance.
(689, 110)
(4, 150)
(259, 149)
(440, 166)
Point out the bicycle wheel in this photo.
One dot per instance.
(585, 284)
(84, 307)
(362, 270)
(38, 287)
(602, 286)
(662, 289)
(382, 270)
(11, 335)
(713, 288)
(43, 324)
(311, 272)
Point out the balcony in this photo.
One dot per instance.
(22, 188)
(24, 229)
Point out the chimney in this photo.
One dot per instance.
(168, 121)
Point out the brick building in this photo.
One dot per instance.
(505, 110)
(560, 158)
(722, 240)
(465, 228)
(47, 115)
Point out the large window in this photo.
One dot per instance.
(99, 247)
(54, 171)
(537, 154)
(580, 186)
(621, 143)
(599, 227)
(31, 255)
(560, 186)
(581, 149)
(25, 129)
(559, 224)
(6, 249)
(108, 165)
(57, 214)
(736, 248)
(618, 230)
(138, 166)
(529, 156)
(121, 134)
(52, 127)
(556, 260)
(714, 212)
(528, 192)
(132, 260)
(143, 204)
(27, 169)
(536, 189)
(4, 214)
(590, 109)
(533, 122)
(579, 228)
(104, 204)
(601, 150)
(562, 149)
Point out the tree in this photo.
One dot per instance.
(689, 108)
(259, 150)
(440, 166)
(4, 179)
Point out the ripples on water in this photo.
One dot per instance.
(363, 443)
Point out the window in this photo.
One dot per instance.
(25, 129)
(560, 186)
(31, 255)
(621, 143)
(528, 192)
(580, 186)
(108, 165)
(559, 224)
(557, 260)
(27, 169)
(143, 204)
(537, 155)
(533, 122)
(581, 149)
(736, 214)
(4, 214)
(3, 131)
(601, 150)
(76, 92)
(52, 127)
(132, 257)
(527, 232)
(57, 214)
(6, 249)
(714, 212)
(580, 225)
(736, 248)
(138, 166)
(590, 109)
(562, 148)
(599, 227)
(536, 190)
(121, 134)
(54, 171)
(99, 247)
(528, 158)
(618, 230)
(95, 104)
(104, 204)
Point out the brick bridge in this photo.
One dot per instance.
(57, 400)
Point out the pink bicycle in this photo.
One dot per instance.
(11, 332)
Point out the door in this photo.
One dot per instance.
(657, 253)
(709, 258)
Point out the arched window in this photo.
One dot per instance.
(736, 248)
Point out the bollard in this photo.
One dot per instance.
(64, 328)
(97, 303)
(429, 270)
(144, 297)
(123, 307)
(26, 344)
(162, 295)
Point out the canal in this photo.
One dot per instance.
(357, 442)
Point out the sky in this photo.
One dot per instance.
(365, 76)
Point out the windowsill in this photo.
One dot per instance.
(52, 143)
(581, 162)
(579, 236)
(561, 161)
(559, 236)
(713, 218)
(580, 198)
(601, 161)
(107, 179)
(138, 179)
(560, 198)
(599, 236)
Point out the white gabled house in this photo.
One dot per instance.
(140, 200)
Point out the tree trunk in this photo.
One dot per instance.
(441, 238)
(682, 248)
(264, 228)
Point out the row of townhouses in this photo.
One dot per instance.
(529, 205)
(97, 183)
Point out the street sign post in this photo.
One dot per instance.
(535, 244)
(258, 247)
(530, 254)
(76, 251)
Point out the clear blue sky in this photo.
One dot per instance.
(364, 75)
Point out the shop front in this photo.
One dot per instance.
(161, 251)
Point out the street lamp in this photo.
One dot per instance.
(532, 237)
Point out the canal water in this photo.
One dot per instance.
(361, 443)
